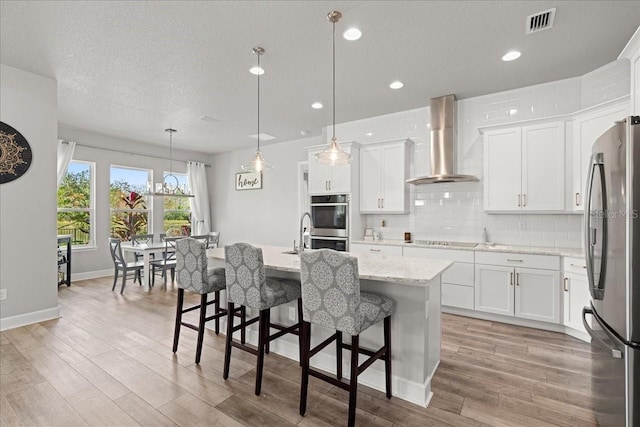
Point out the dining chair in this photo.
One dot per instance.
(331, 298)
(204, 238)
(167, 263)
(214, 239)
(137, 239)
(120, 264)
(249, 286)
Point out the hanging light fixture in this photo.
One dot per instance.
(334, 155)
(257, 163)
(170, 186)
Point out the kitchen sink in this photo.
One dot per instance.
(290, 252)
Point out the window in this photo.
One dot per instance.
(177, 212)
(76, 205)
(129, 211)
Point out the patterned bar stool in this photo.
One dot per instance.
(248, 286)
(331, 298)
(194, 275)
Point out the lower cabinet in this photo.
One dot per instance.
(575, 292)
(457, 280)
(527, 293)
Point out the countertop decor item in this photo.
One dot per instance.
(334, 155)
(15, 154)
(257, 163)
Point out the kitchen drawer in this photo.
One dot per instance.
(359, 248)
(450, 254)
(460, 273)
(574, 265)
(546, 262)
(457, 296)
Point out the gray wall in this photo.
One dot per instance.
(28, 103)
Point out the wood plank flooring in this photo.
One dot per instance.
(108, 362)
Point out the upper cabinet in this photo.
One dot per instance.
(325, 179)
(632, 52)
(587, 127)
(524, 168)
(383, 174)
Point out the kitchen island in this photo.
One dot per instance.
(415, 286)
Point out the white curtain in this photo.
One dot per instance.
(200, 202)
(65, 154)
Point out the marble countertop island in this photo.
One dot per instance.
(415, 286)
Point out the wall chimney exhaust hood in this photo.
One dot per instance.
(443, 144)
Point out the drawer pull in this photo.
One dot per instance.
(514, 260)
(578, 265)
(566, 284)
(374, 250)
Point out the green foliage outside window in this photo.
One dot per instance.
(74, 204)
(129, 213)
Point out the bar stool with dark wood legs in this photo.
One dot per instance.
(194, 275)
(248, 286)
(331, 298)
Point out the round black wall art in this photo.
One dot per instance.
(15, 154)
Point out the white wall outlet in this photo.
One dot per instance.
(292, 314)
(3, 294)
(522, 226)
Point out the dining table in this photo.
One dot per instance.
(146, 249)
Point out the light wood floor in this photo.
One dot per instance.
(108, 361)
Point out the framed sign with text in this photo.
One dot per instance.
(249, 181)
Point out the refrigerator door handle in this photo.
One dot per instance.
(597, 161)
(615, 353)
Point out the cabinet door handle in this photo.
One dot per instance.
(524, 200)
(517, 279)
(566, 284)
(519, 200)
(514, 260)
(382, 202)
(577, 199)
(511, 278)
(329, 184)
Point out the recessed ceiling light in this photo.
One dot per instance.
(316, 105)
(352, 34)
(258, 71)
(511, 55)
(513, 111)
(396, 85)
(304, 132)
(369, 134)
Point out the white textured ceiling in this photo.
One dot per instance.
(133, 68)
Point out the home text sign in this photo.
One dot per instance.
(249, 181)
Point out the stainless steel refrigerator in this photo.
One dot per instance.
(612, 251)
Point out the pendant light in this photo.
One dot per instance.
(257, 163)
(334, 155)
(168, 188)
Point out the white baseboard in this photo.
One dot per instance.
(29, 318)
(419, 394)
(581, 335)
(553, 327)
(91, 275)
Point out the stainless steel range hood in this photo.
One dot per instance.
(443, 144)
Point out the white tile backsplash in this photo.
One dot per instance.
(454, 211)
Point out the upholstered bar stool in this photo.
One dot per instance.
(331, 298)
(194, 275)
(248, 286)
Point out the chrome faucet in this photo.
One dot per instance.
(301, 247)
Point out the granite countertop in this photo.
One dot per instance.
(536, 250)
(387, 268)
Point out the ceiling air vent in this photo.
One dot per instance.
(540, 21)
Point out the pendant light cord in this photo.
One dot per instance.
(170, 152)
(334, 79)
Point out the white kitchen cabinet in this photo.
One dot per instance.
(575, 292)
(587, 127)
(524, 168)
(363, 248)
(325, 179)
(457, 280)
(383, 174)
(522, 291)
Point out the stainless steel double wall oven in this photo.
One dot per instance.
(330, 216)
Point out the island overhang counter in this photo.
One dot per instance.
(415, 286)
